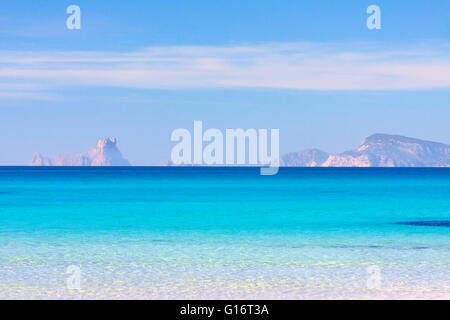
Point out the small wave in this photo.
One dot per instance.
(432, 223)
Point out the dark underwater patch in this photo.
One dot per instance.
(433, 223)
(345, 246)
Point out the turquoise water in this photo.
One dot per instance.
(224, 233)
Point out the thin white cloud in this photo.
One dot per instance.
(297, 66)
(24, 95)
(24, 91)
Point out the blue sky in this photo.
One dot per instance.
(137, 70)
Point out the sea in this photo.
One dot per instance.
(224, 233)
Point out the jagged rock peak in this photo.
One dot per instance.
(39, 160)
(106, 143)
(105, 153)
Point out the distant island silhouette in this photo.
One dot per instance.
(377, 150)
(105, 153)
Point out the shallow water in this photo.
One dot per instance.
(225, 233)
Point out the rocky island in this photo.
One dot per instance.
(377, 150)
(105, 153)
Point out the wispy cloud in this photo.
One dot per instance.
(298, 66)
(24, 91)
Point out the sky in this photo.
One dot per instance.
(137, 70)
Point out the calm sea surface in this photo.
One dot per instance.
(224, 233)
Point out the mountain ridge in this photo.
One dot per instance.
(379, 150)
